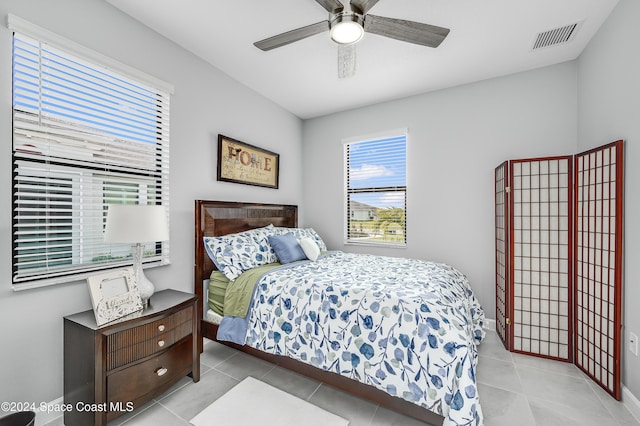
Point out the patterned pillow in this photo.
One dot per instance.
(235, 253)
(301, 233)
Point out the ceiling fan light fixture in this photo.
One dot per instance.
(347, 28)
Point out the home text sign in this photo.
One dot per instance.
(243, 163)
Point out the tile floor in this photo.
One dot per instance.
(514, 390)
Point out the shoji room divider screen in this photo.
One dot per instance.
(558, 233)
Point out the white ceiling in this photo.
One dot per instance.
(488, 38)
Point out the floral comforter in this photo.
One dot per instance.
(408, 327)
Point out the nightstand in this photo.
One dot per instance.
(113, 369)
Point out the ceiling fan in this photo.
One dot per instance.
(348, 27)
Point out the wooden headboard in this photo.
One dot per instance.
(215, 218)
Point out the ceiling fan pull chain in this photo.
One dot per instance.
(346, 60)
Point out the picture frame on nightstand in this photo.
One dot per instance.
(114, 294)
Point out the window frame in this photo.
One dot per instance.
(107, 182)
(347, 143)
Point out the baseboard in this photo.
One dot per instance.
(44, 417)
(631, 402)
(489, 324)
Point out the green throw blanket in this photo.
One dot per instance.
(238, 295)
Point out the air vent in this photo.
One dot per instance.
(556, 36)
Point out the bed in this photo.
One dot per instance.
(416, 354)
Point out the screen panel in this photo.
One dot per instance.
(501, 175)
(541, 250)
(598, 262)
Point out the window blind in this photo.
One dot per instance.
(84, 136)
(375, 190)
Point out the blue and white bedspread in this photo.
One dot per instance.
(408, 327)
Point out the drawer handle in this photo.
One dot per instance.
(161, 343)
(161, 371)
(161, 327)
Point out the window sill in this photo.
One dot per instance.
(376, 244)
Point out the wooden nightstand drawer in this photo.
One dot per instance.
(127, 346)
(132, 383)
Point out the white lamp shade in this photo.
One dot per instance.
(136, 224)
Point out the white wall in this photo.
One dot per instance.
(608, 110)
(456, 139)
(206, 102)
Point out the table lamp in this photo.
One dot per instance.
(137, 224)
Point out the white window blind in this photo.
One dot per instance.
(84, 137)
(375, 190)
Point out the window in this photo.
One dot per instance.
(84, 136)
(376, 190)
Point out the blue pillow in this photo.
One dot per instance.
(287, 248)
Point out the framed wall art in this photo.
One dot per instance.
(240, 162)
(114, 294)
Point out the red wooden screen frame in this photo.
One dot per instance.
(612, 383)
(505, 294)
(569, 273)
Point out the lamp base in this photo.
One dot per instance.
(145, 287)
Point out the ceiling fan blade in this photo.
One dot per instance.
(409, 31)
(346, 60)
(331, 6)
(291, 36)
(362, 6)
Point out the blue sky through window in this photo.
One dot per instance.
(48, 82)
(379, 163)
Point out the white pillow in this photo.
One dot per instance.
(309, 247)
